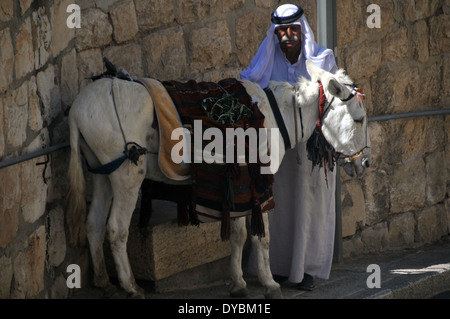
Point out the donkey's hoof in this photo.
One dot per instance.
(138, 293)
(274, 293)
(239, 293)
(135, 295)
(109, 291)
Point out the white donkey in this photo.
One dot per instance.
(95, 131)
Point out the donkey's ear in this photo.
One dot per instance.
(314, 71)
(337, 89)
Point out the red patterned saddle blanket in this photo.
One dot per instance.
(230, 190)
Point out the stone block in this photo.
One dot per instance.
(69, 78)
(61, 34)
(104, 4)
(7, 58)
(34, 189)
(377, 196)
(95, 31)
(35, 121)
(29, 266)
(353, 247)
(210, 46)
(430, 82)
(58, 289)
(408, 187)
(165, 54)
(439, 35)
(256, 24)
(401, 231)
(50, 93)
(375, 238)
(90, 62)
(416, 9)
(378, 143)
(447, 209)
(5, 279)
(353, 208)
(2, 135)
(165, 249)
(190, 11)
(413, 138)
(406, 84)
(347, 16)
(432, 224)
(420, 41)
(154, 14)
(265, 4)
(361, 63)
(57, 237)
(6, 10)
(24, 55)
(232, 5)
(128, 57)
(169, 249)
(436, 171)
(123, 17)
(16, 116)
(446, 77)
(25, 5)
(42, 33)
(395, 45)
(10, 194)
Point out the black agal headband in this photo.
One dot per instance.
(287, 20)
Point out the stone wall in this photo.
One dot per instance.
(403, 200)
(404, 66)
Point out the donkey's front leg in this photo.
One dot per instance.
(261, 247)
(238, 237)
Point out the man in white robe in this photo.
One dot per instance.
(303, 224)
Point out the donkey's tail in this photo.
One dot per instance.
(76, 205)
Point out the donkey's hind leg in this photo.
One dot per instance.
(96, 229)
(125, 183)
(96, 221)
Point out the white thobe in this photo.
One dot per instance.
(302, 226)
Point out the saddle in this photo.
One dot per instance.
(223, 191)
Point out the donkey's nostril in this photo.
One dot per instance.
(365, 162)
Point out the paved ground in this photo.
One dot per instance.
(408, 274)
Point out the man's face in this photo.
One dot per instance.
(289, 37)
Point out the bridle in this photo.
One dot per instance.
(324, 107)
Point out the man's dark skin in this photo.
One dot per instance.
(290, 46)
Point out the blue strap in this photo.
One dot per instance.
(108, 168)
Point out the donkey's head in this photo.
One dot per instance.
(343, 119)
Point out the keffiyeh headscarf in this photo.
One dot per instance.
(260, 68)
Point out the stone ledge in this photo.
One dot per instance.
(165, 249)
